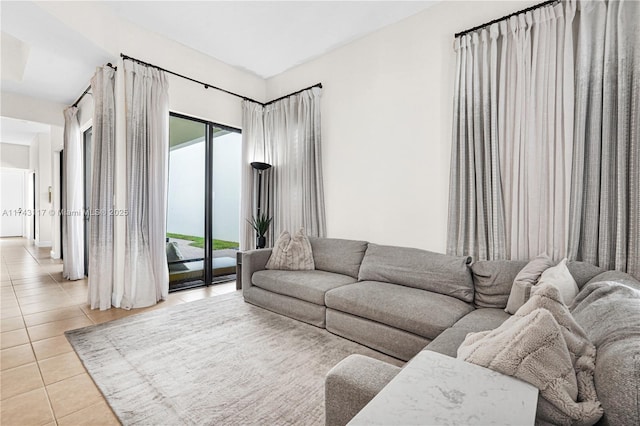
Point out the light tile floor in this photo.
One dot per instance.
(42, 381)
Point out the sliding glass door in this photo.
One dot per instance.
(203, 202)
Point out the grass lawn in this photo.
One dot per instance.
(199, 242)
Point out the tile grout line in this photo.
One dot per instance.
(44, 386)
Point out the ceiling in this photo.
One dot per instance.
(41, 57)
(46, 59)
(265, 37)
(20, 132)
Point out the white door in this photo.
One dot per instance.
(12, 207)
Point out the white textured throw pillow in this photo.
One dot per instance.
(291, 254)
(527, 278)
(559, 277)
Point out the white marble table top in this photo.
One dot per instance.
(434, 389)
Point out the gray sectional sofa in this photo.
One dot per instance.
(400, 301)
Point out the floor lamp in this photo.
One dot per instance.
(260, 167)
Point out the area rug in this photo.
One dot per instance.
(216, 361)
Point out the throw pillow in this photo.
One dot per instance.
(560, 277)
(542, 344)
(291, 254)
(173, 252)
(526, 278)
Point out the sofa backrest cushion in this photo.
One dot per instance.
(337, 255)
(609, 312)
(440, 273)
(617, 276)
(493, 280)
(582, 272)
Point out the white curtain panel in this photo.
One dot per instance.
(514, 104)
(252, 150)
(536, 129)
(476, 211)
(294, 186)
(147, 129)
(605, 208)
(101, 237)
(73, 191)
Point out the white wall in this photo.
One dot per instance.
(14, 156)
(386, 125)
(44, 213)
(185, 197)
(31, 109)
(12, 202)
(226, 186)
(185, 211)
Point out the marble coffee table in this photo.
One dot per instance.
(434, 389)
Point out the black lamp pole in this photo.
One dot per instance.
(260, 167)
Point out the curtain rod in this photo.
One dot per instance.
(75, 104)
(294, 93)
(207, 85)
(546, 3)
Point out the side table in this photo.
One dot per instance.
(435, 389)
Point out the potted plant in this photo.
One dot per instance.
(261, 225)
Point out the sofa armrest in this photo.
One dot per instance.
(249, 262)
(351, 384)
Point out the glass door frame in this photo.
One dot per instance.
(208, 191)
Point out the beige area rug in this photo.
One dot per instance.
(216, 361)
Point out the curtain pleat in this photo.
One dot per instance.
(285, 134)
(512, 138)
(605, 205)
(147, 129)
(476, 218)
(294, 186)
(101, 248)
(73, 191)
(252, 150)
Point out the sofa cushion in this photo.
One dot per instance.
(431, 313)
(482, 319)
(609, 312)
(351, 384)
(448, 342)
(582, 272)
(339, 256)
(305, 285)
(527, 278)
(291, 253)
(617, 276)
(439, 273)
(560, 277)
(493, 280)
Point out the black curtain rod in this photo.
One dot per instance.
(207, 85)
(294, 93)
(546, 3)
(75, 104)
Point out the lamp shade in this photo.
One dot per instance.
(260, 166)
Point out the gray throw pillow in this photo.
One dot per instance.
(173, 252)
(527, 278)
(291, 254)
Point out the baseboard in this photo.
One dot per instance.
(54, 254)
(44, 244)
